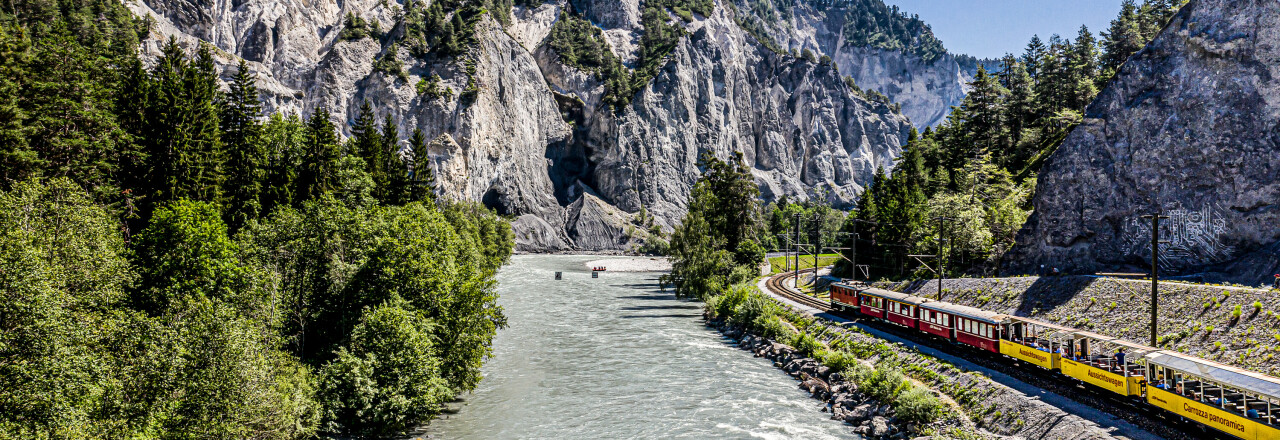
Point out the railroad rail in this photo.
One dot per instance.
(775, 284)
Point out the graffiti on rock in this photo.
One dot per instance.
(1190, 237)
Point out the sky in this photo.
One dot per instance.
(991, 28)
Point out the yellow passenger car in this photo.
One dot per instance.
(1036, 342)
(1108, 363)
(1241, 403)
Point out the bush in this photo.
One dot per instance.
(1235, 313)
(354, 28)
(1257, 306)
(430, 88)
(840, 361)
(389, 380)
(883, 384)
(917, 405)
(655, 246)
(772, 327)
(726, 305)
(806, 344)
(390, 64)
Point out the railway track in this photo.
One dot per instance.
(1148, 418)
(775, 284)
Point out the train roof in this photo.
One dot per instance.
(1043, 324)
(1133, 347)
(894, 296)
(966, 311)
(1225, 374)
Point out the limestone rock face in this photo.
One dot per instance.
(925, 90)
(1190, 127)
(797, 124)
(534, 141)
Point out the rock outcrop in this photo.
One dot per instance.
(926, 90)
(534, 140)
(797, 124)
(1190, 127)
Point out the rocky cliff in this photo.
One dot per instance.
(1190, 127)
(533, 140)
(926, 90)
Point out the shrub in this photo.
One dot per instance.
(806, 344)
(655, 245)
(841, 361)
(917, 405)
(771, 326)
(430, 88)
(354, 28)
(1235, 313)
(1208, 328)
(883, 384)
(1257, 306)
(726, 305)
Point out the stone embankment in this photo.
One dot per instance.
(980, 408)
(1230, 324)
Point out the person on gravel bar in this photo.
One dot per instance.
(1276, 284)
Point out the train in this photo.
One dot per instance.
(1237, 402)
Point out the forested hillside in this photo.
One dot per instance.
(176, 264)
(969, 181)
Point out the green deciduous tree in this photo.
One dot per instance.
(388, 378)
(717, 244)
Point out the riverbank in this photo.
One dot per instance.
(631, 264)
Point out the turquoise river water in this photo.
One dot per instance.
(617, 358)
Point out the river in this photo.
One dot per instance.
(614, 358)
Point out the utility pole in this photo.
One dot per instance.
(797, 243)
(817, 245)
(1155, 270)
(942, 265)
(853, 251)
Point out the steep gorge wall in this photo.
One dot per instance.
(925, 90)
(573, 176)
(1189, 127)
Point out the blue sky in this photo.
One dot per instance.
(991, 28)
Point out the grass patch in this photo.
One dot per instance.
(779, 264)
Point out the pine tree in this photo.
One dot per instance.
(283, 139)
(321, 154)
(246, 152)
(179, 130)
(1123, 38)
(18, 161)
(984, 111)
(206, 155)
(1083, 70)
(1034, 53)
(389, 165)
(1019, 112)
(365, 138)
(1053, 77)
(422, 181)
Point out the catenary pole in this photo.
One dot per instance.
(1155, 273)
